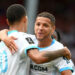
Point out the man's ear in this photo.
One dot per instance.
(24, 19)
(7, 22)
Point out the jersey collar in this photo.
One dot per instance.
(53, 41)
(12, 31)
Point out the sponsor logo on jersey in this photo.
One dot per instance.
(29, 40)
(38, 68)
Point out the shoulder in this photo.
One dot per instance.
(30, 37)
(56, 45)
(26, 35)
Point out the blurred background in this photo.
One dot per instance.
(63, 10)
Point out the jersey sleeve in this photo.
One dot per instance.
(63, 64)
(25, 42)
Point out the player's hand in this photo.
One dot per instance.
(67, 53)
(9, 41)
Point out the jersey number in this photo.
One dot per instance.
(3, 62)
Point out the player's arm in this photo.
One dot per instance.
(39, 57)
(3, 33)
(9, 41)
(34, 54)
(45, 56)
(66, 72)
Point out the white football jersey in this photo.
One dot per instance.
(54, 67)
(18, 63)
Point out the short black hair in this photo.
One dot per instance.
(47, 15)
(15, 12)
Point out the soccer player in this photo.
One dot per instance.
(44, 28)
(18, 63)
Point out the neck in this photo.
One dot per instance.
(17, 27)
(45, 42)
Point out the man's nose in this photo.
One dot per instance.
(41, 26)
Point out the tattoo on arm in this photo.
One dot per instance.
(51, 55)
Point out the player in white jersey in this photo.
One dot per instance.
(18, 63)
(44, 28)
(11, 63)
(54, 67)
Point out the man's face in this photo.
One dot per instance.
(43, 28)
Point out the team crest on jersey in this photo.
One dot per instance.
(29, 40)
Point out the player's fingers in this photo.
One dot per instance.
(13, 45)
(11, 49)
(10, 45)
(68, 57)
(68, 53)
